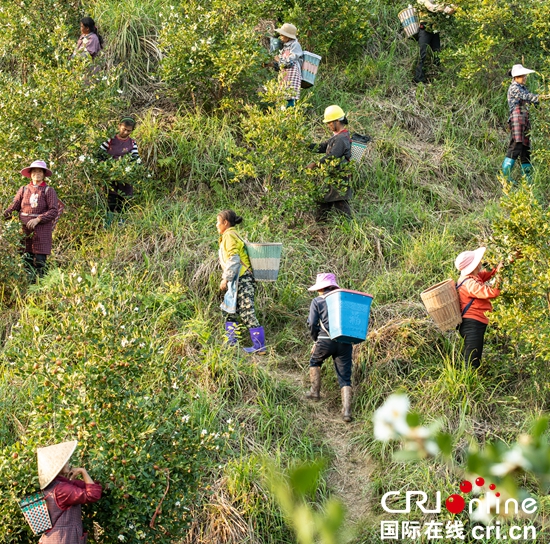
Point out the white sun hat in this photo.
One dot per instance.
(287, 30)
(52, 459)
(467, 261)
(520, 70)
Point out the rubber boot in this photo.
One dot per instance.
(527, 171)
(346, 403)
(315, 376)
(507, 166)
(231, 333)
(257, 335)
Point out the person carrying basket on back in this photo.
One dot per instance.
(319, 329)
(475, 302)
(289, 62)
(64, 493)
(337, 149)
(238, 283)
(519, 99)
(431, 16)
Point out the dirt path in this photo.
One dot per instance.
(349, 473)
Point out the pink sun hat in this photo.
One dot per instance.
(323, 281)
(467, 261)
(36, 164)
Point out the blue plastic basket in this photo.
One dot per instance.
(348, 315)
(309, 69)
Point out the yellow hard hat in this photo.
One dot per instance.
(333, 113)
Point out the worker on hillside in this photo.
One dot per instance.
(116, 147)
(431, 16)
(289, 63)
(64, 493)
(38, 208)
(475, 302)
(238, 283)
(90, 41)
(519, 99)
(337, 150)
(324, 347)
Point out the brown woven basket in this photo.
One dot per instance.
(442, 303)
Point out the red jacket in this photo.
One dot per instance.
(473, 287)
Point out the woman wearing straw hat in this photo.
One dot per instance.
(338, 146)
(38, 208)
(238, 283)
(324, 347)
(64, 494)
(475, 301)
(519, 99)
(289, 61)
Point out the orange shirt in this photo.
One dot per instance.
(474, 288)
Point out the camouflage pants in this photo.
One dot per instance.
(245, 303)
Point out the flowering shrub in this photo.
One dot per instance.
(93, 371)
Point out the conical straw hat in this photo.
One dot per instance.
(52, 459)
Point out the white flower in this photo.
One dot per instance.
(136, 309)
(119, 91)
(185, 418)
(229, 421)
(79, 279)
(93, 271)
(204, 432)
(142, 345)
(128, 168)
(36, 328)
(178, 503)
(122, 538)
(124, 342)
(175, 386)
(102, 308)
(131, 526)
(511, 460)
(390, 418)
(82, 158)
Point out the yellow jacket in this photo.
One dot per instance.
(230, 245)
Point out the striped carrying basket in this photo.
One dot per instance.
(443, 305)
(309, 69)
(265, 260)
(409, 20)
(36, 512)
(359, 146)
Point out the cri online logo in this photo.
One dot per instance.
(455, 503)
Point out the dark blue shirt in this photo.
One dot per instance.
(318, 313)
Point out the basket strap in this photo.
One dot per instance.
(245, 244)
(467, 307)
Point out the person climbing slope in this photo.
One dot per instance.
(238, 283)
(324, 347)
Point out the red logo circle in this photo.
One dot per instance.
(465, 486)
(455, 504)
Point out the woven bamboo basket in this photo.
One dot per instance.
(441, 301)
(265, 260)
(36, 512)
(409, 20)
